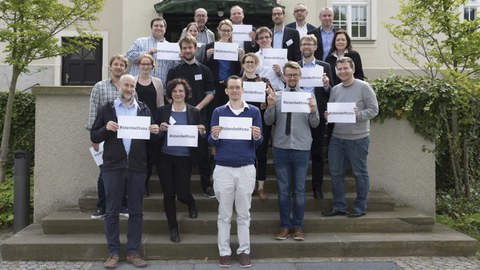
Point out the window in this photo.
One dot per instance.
(356, 17)
(471, 9)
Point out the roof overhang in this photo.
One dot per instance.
(189, 6)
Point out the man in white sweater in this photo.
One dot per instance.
(350, 141)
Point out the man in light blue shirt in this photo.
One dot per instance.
(148, 45)
(324, 33)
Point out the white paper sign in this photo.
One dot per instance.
(274, 56)
(241, 32)
(97, 156)
(225, 51)
(295, 102)
(235, 128)
(312, 77)
(254, 91)
(133, 127)
(182, 135)
(168, 51)
(341, 112)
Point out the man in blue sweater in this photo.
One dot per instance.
(234, 174)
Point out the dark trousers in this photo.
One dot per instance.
(316, 153)
(261, 151)
(151, 147)
(175, 180)
(101, 204)
(116, 182)
(204, 163)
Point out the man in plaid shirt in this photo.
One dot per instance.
(103, 92)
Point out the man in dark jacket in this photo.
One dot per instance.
(124, 168)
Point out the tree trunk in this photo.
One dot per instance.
(451, 137)
(7, 123)
(466, 167)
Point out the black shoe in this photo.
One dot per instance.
(210, 193)
(333, 212)
(192, 211)
(174, 235)
(317, 194)
(356, 213)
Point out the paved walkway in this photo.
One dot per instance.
(395, 263)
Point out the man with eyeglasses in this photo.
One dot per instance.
(300, 13)
(263, 37)
(308, 45)
(205, 35)
(283, 37)
(292, 140)
(234, 174)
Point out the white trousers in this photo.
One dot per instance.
(234, 185)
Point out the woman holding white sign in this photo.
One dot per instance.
(221, 68)
(174, 163)
(250, 63)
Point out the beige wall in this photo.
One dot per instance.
(64, 169)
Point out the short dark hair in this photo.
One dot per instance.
(158, 19)
(173, 83)
(235, 77)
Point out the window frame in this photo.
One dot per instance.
(370, 21)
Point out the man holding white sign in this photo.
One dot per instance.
(321, 90)
(234, 174)
(350, 140)
(124, 168)
(291, 149)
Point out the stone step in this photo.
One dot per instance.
(72, 221)
(32, 244)
(270, 184)
(377, 201)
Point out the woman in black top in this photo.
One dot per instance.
(250, 62)
(149, 91)
(342, 46)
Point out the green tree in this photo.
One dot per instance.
(433, 35)
(29, 28)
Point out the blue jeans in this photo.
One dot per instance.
(340, 152)
(291, 170)
(116, 182)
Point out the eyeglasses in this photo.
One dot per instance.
(292, 75)
(225, 30)
(249, 62)
(263, 37)
(299, 10)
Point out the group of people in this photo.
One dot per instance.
(203, 91)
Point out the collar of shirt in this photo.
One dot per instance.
(194, 63)
(322, 30)
(297, 89)
(117, 103)
(335, 53)
(161, 40)
(280, 31)
(309, 64)
(245, 106)
(183, 110)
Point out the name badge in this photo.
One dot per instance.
(198, 77)
(289, 42)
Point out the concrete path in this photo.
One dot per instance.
(397, 263)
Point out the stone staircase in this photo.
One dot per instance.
(387, 230)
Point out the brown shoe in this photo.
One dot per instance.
(224, 261)
(261, 194)
(245, 261)
(298, 234)
(136, 260)
(112, 262)
(282, 234)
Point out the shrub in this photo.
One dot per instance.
(23, 124)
